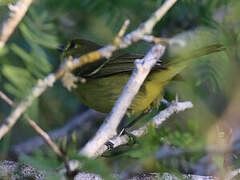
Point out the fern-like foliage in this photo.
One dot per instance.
(27, 57)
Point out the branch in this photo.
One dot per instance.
(6, 99)
(174, 107)
(46, 137)
(109, 128)
(82, 122)
(40, 131)
(70, 65)
(140, 72)
(17, 12)
(24, 104)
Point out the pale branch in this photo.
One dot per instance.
(162, 116)
(70, 64)
(81, 123)
(146, 27)
(17, 12)
(109, 127)
(24, 104)
(134, 36)
(117, 40)
(40, 131)
(232, 174)
(87, 176)
(140, 72)
(6, 99)
(155, 40)
(50, 142)
(46, 137)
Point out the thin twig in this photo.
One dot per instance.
(49, 141)
(174, 107)
(156, 40)
(106, 51)
(80, 123)
(41, 132)
(17, 12)
(45, 136)
(19, 110)
(122, 31)
(6, 99)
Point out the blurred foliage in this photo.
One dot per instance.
(30, 54)
(5, 2)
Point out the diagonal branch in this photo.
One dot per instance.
(106, 51)
(157, 121)
(79, 123)
(40, 131)
(17, 12)
(140, 72)
(109, 128)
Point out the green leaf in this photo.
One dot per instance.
(13, 90)
(36, 61)
(3, 51)
(18, 76)
(6, 2)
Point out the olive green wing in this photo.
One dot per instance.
(125, 63)
(107, 67)
(115, 65)
(118, 64)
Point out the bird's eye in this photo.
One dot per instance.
(71, 46)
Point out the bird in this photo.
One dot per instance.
(106, 78)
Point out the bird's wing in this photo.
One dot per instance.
(118, 64)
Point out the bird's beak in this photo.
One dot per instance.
(61, 48)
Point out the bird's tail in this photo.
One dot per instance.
(176, 64)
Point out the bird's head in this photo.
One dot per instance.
(77, 47)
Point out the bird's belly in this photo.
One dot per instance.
(101, 94)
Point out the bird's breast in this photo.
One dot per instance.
(100, 94)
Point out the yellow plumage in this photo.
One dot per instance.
(106, 78)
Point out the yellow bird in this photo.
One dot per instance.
(106, 78)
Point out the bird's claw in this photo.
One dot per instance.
(132, 138)
(166, 102)
(109, 145)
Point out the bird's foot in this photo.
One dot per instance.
(166, 102)
(132, 137)
(109, 145)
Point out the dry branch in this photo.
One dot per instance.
(175, 107)
(24, 104)
(140, 72)
(109, 128)
(17, 12)
(106, 51)
(81, 123)
(41, 132)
